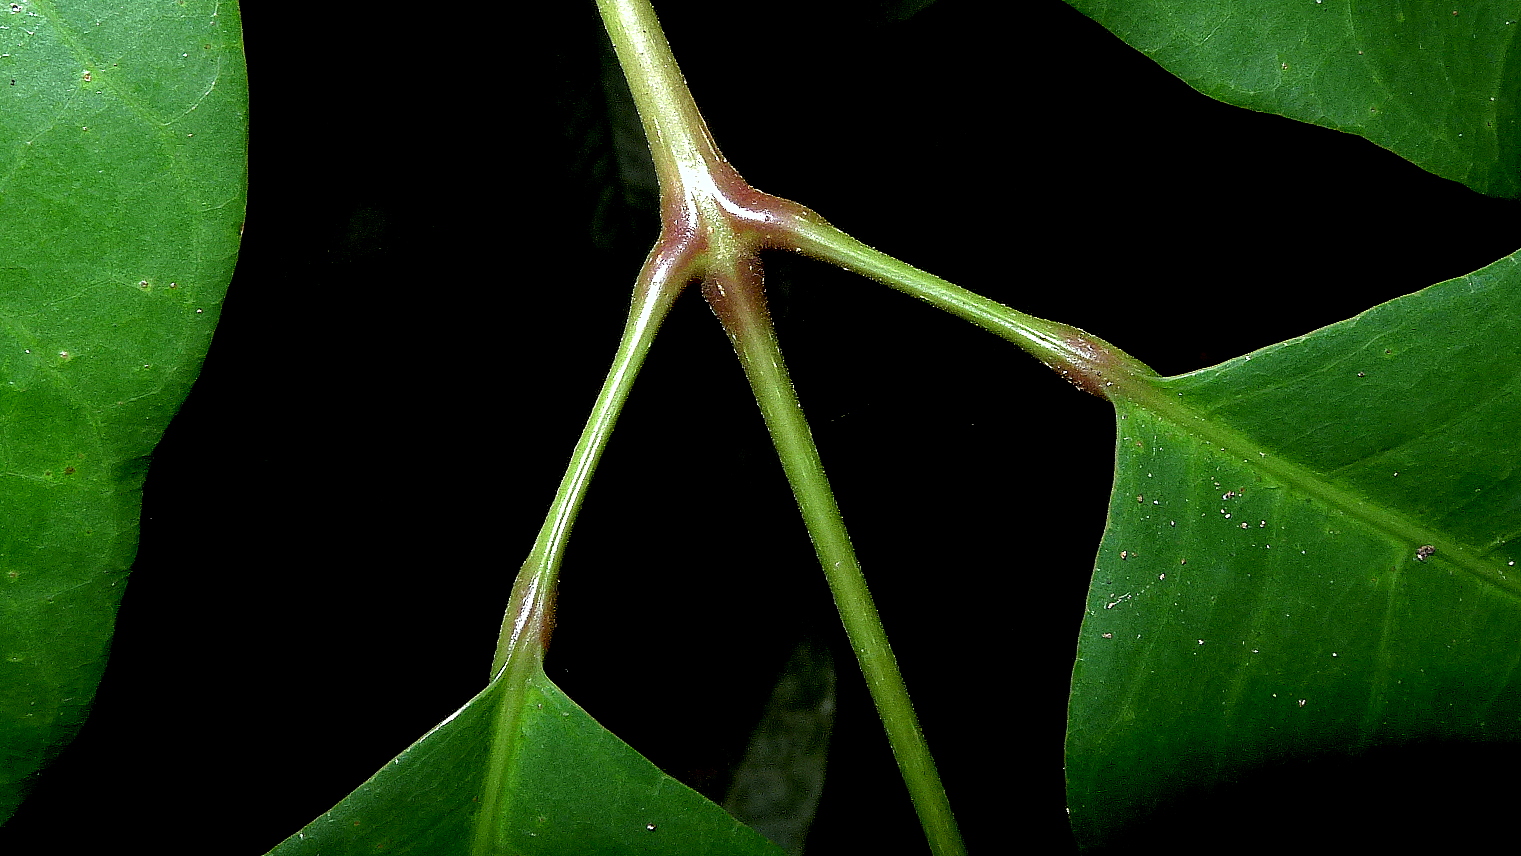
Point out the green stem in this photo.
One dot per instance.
(1089, 362)
(714, 222)
(526, 627)
(531, 606)
(737, 298)
(687, 161)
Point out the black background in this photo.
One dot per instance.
(435, 267)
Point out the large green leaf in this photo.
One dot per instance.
(122, 181)
(1437, 83)
(572, 788)
(1311, 548)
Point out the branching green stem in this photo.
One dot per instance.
(713, 224)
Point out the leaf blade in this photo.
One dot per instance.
(1437, 86)
(122, 191)
(574, 788)
(1268, 598)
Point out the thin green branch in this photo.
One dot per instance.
(738, 300)
(531, 604)
(1082, 358)
(530, 609)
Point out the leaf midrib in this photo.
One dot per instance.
(1170, 408)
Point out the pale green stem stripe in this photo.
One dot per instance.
(767, 373)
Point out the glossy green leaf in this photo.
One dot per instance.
(1437, 83)
(573, 789)
(122, 181)
(1310, 548)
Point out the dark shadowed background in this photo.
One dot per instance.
(438, 253)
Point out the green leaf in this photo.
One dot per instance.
(573, 788)
(122, 182)
(1436, 83)
(1310, 549)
